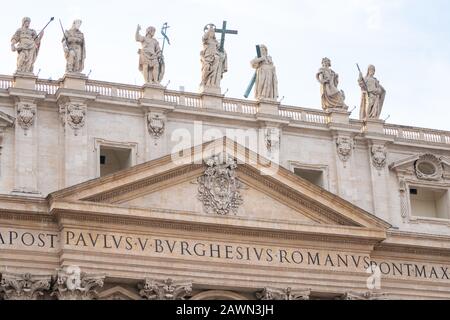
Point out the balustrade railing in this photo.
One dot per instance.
(417, 134)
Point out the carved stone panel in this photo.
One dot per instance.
(165, 290)
(283, 294)
(156, 124)
(72, 284)
(379, 156)
(73, 115)
(219, 188)
(23, 286)
(345, 146)
(26, 115)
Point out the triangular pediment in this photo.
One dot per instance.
(6, 120)
(267, 192)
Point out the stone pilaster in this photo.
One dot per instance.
(73, 110)
(26, 148)
(23, 286)
(74, 141)
(165, 290)
(283, 294)
(344, 150)
(72, 284)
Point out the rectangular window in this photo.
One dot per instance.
(113, 159)
(430, 203)
(314, 176)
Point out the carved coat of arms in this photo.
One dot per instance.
(76, 116)
(344, 148)
(219, 187)
(379, 156)
(25, 116)
(156, 125)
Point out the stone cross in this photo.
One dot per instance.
(223, 32)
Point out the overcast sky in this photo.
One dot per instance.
(407, 40)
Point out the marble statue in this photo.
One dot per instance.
(26, 42)
(373, 95)
(74, 48)
(266, 77)
(151, 60)
(214, 62)
(332, 97)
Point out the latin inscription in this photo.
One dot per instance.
(164, 247)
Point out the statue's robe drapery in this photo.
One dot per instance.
(151, 55)
(76, 53)
(372, 101)
(266, 86)
(214, 62)
(28, 49)
(331, 96)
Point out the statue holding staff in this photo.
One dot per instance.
(373, 95)
(74, 48)
(151, 61)
(266, 76)
(27, 43)
(332, 97)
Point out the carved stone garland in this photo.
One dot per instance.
(283, 294)
(23, 286)
(165, 290)
(219, 188)
(72, 284)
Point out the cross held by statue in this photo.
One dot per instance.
(223, 32)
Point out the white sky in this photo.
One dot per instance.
(407, 40)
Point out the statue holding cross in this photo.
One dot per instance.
(213, 58)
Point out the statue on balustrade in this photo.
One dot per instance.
(74, 48)
(373, 95)
(332, 97)
(214, 61)
(26, 42)
(151, 60)
(266, 76)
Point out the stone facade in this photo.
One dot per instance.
(56, 211)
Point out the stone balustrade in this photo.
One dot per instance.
(237, 106)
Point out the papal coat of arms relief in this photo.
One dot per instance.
(219, 188)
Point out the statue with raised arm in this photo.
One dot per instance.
(74, 48)
(266, 76)
(214, 62)
(151, 61)
(373, 95)
(332, 97)
(26, 42)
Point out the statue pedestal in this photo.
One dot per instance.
(374, 126)
(212, 98)
(25, 80)
(153, 91)
(75, 81)
(210, 90)
(339, 116)
(268, 106)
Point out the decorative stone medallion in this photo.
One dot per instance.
(76, 117)
(219, 188)
(379, 156)
(429, 168)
